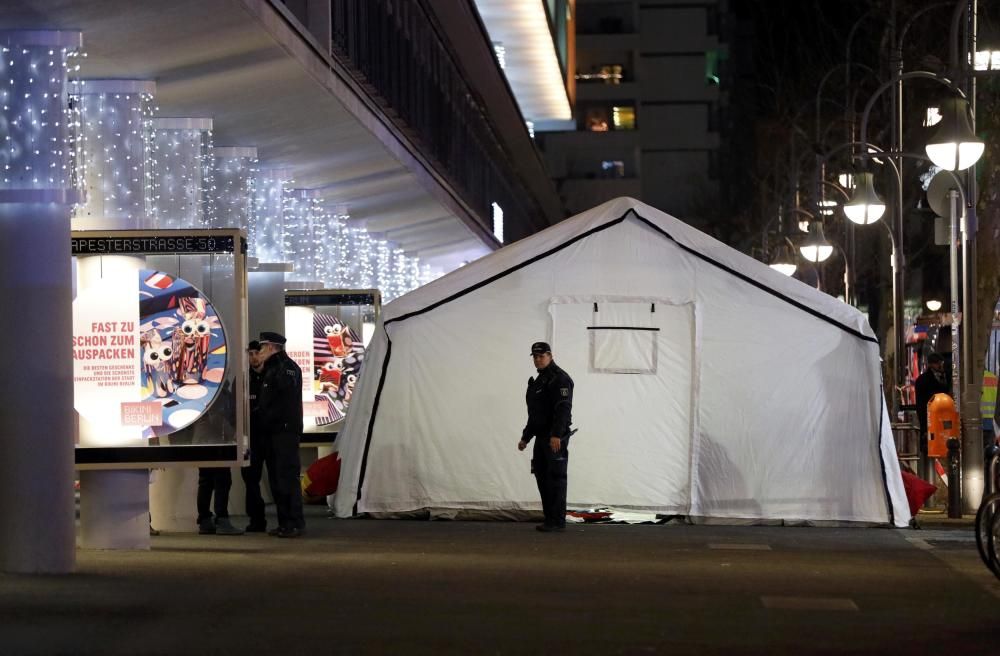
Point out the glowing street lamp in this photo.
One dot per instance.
(865, 206)
(816, 248)
(955, 147)
(783, 260)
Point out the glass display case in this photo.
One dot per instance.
(159, 364)
(327, 332)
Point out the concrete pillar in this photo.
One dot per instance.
(36, 417)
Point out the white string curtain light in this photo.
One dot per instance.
(37, 130)
(359, 260)
(234, 176)
(180, 186)
(110, 151)
(383, 266)
(305, 237)
(266, 232)
(338, 263)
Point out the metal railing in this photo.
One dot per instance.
(395, 52)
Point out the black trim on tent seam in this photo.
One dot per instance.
(756, 283)
(702, 256)
(881, 459)
(483, 283)
(622, 328)
(371, 421)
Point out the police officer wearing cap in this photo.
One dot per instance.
(279, 405)
(550, 406)
(258, 445)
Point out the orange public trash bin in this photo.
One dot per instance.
(942, 424)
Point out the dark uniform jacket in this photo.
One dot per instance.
(256, 419)
(280, 399)
(550, 404)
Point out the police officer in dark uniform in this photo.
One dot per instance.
(258, 445)
(550, 405)
(280, 406)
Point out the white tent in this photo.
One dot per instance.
(707, 384)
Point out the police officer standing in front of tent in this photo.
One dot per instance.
(280, 406)
(550, 407)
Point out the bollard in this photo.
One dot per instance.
(954, 480)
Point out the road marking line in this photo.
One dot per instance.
(809, 603)
(921, 543)
(740, 547)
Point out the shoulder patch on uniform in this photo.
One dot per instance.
(564, 391)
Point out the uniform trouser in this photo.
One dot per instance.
(217, 481)
(283, 470)
(252, 474)
(550, 475)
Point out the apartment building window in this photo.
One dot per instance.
(605, 18)
(623, 117)
(613, 168)
(609, 74)
(603, 118)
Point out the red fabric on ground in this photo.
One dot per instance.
(323, 476)
(917, 491)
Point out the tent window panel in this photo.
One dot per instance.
(623, 350)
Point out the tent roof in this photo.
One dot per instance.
(726, 260)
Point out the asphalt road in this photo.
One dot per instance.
(409, 587)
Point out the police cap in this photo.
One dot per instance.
(272, 338)
(540, 347)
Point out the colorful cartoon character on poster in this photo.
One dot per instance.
(349, 389)
(330, 374)
(156, 362)
(335, 338)
(191, 341)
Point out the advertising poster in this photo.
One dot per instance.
(332, 352)
(149, 353)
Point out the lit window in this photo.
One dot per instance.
(498, 222)
(987, 60)
(933, 116)
(596, 119)
(846, 180)
(613, 168)
(623, 118)
(531, 128)
(610, 74)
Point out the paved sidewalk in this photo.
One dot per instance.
(407, 587)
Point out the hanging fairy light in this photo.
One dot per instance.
(337, 256)
(234, 176)
(399, 270)
(305, 237)
(180, 190)
(412, 273)
(36, 133)
(266, 231)
(110, 151)
(383, 265)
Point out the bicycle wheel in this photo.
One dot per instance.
(993, 544)
(986, 524)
